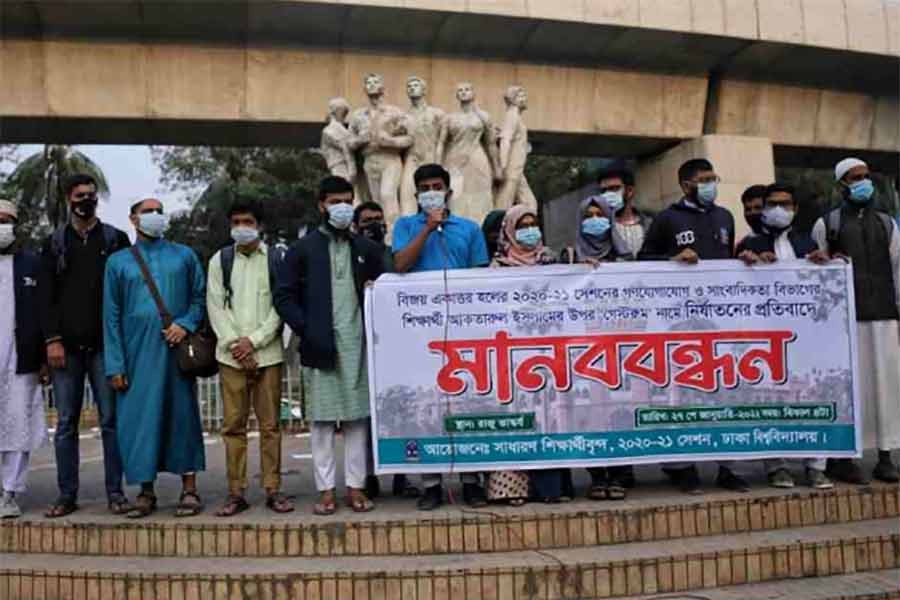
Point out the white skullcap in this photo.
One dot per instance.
(845, 165)
(9, 208)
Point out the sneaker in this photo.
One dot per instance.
(781, 478)
(473, 495)
(886, 471)
(687, 480)
(432, 498)
(729, 480)
(8, 507)
(818, 480)
(846, 470)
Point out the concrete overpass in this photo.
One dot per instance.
(801, 80)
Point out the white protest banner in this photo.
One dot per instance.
(540, 367)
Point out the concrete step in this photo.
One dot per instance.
(874, 585)
(397, 529)
(589, 572)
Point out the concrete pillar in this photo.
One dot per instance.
(740, 161)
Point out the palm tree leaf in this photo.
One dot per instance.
(78, 162)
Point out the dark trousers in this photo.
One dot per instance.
(68, 393)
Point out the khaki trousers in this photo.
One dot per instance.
(240, 391)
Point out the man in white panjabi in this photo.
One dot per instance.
(23, 428)
(379, 134)
(871, 239)
(424, 126)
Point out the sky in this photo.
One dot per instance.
(131, 175)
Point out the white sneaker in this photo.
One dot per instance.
(8, 507)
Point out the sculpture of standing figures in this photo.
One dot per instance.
(379, 133)
(424, 126)
(469, 150)
(335, 143)
(514, 150)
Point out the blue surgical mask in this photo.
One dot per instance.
(529, 237)
(433, 200)
(861, 192)
(340, 215)
(243, 235)
(777, 217)
(707, 192)
(153, 224)
(595, 226)
(614, 200)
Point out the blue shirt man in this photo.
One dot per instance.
(433, 240)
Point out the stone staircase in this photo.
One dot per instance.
(798, 545)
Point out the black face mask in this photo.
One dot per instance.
(375, 232)
(755, 223)
(86, 209)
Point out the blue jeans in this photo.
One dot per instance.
(68, 392)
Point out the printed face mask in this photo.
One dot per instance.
(777, 217)
(340, 215)
(433, 200)
(529, 237)
(153, 224)
(595, 226)
(244, 235)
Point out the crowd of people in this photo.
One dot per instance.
(92, 306)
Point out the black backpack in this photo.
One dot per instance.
(226, 260)
(58, 244)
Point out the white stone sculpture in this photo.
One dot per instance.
(514, 149)
(468, 148)
(379, 134)
(424, 126)
(335, 142)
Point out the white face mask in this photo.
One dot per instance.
(777, 217)
(614, 200)
(433, 200)
(153, 224)
(7, 235)
(244, 235)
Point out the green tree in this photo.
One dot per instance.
(36, 184)
(283, 180)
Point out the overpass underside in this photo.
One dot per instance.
(817, 78)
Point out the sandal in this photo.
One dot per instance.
(598, 491)
(279, 503)
(233, 505)
(616, 490)
(144, 506)
(326, 504)
(357, 501)
(119, 505)
(61, 508)
(189, 504)
(517, 501)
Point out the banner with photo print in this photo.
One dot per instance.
(626, 363)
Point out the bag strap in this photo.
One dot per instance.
(226, 262)
(151, 285)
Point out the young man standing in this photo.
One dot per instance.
(239, 299)
(630, 225)
(158, 418)
(320, 297)
(23, 428)
(871, 239)
(71, 292)
(694, 229)
(432, 240)
(753, 200)
(777, 240)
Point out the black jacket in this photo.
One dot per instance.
(802, 243)
(303, 298)
(30, 347)
(71, 291)
(709, 232)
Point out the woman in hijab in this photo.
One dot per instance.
(593, 234)
(490, 228)
(521, 245)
